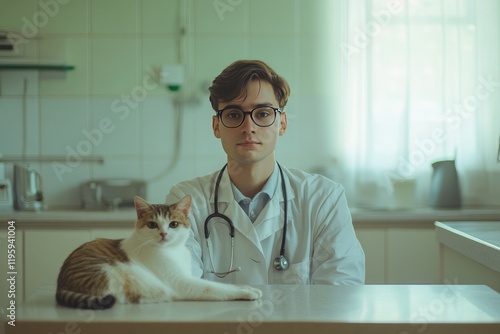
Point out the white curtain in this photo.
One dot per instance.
(420, 83)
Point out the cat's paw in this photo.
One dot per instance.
(158, 295)
(249, 293)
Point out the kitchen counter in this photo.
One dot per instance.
(424, 217)
(470, 252)
(284, 309)
(479, 241)
(73, 218)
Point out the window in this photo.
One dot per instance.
(421, 84)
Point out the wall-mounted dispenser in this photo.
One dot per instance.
(172, 75)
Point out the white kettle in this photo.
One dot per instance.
(27, 188)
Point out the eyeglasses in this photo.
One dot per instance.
(233, 117)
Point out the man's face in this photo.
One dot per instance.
(250, 143)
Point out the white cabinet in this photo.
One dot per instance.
(373, 242)
(460, 269)
(412, 256)
(394, 254)
(45, 252)
(397, 255)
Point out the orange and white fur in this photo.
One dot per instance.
(152, 265)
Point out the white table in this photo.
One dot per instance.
(284, 309)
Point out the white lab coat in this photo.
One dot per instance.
(321, 245)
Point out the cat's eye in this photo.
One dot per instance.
(152, 225)
(173, 224)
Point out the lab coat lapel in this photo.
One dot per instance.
(229, 207)
(271, 219)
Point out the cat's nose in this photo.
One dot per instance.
(163, 235)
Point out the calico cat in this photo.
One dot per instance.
(152, 265)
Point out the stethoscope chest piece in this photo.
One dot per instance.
(281, 263)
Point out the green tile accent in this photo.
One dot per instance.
(36, 67)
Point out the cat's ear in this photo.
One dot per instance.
(184, 205)
(141, 206)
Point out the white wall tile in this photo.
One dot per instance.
(114, 16)
(10, 125)
(198, 134)
(160, 16)
(160, 177)
(116, 168)
(119, 123)
(158, 126)
(61, 184)
(272, 17)
(212, 18)
(64, 124)
(15, 13)
(74, 51)
(12, 83)
(280, 54)
(192, 116)
(70, 17)
(213, 54)
(114, 64)
(206, 164)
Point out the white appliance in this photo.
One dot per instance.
(6, 200)
(6, 193)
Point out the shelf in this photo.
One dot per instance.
(42, 67)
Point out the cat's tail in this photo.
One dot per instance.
(84, 301)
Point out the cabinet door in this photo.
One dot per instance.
(460, 269)
(45, 252)
(412, 256)
(373, 242)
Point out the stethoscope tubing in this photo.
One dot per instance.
(278, 261)
(285, 205)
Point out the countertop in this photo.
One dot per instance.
(73, 218)
(284, 309)
(479, 241)
(424, 217)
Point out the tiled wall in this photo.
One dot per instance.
(114, 43)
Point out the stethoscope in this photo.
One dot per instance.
(280, 263)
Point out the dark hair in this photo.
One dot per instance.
(233, 80)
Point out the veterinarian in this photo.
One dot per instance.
(290, 227)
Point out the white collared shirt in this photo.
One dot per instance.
(254, 206)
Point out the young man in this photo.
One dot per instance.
(289, 226)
